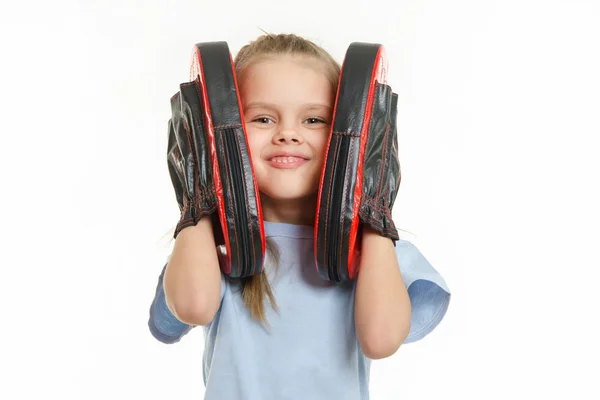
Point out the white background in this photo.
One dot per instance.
(498, 127)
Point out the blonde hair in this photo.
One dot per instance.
(256, 288)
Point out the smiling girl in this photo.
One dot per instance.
(286, 333)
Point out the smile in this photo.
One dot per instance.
(287, 161)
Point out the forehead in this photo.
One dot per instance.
(286, 80)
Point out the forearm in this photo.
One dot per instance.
(382, 306)
(192, 281)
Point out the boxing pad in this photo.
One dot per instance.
(361, 172)
(210, 163)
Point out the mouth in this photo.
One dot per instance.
(287, 161)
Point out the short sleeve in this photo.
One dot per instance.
(427, 289)
(163, 325)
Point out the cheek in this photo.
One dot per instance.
(256, 142)
(320, 144)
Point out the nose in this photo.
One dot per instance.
(287, 135)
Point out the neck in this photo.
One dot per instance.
(294, 211)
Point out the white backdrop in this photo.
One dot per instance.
(498, 127)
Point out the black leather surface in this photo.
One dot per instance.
(360, 161)
(381, 168)
(240, 207)
(209, 162)
(188, 159)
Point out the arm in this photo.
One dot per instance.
(164, 326)
(192, 280)
(382, 305)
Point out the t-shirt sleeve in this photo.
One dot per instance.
(164, 326)
(429, 295)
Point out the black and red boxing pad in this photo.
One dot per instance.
(361, 172)
(213, 126)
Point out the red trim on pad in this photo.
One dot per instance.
(210, 133)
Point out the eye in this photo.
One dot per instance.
(262, 120)
(312, 121)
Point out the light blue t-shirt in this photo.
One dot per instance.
(310, 352)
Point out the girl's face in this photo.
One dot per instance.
(288, 105)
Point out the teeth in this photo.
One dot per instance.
(285, 160)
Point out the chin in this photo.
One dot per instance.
(283, 195)
(286, 192)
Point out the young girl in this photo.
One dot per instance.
(286, 333)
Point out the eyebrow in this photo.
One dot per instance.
(309, 106)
